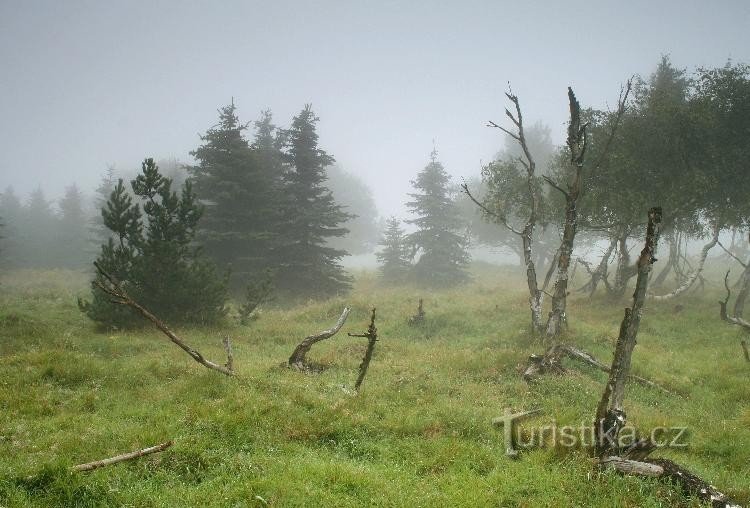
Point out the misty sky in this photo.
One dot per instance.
(86, 84)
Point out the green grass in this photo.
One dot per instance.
(418, 434)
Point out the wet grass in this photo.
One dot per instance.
(418, 434)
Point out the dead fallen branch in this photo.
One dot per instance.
(586, 357)
(298, 359)
(90, 466)
(113, 288)
(372, 337)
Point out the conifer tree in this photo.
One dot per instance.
(311, 216)
(72, 236)
(37, 228)
(99, 232)
(241, 187)
(394, 259)
(156, 261)
(443, 257)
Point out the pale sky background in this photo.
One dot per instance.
(86, 84)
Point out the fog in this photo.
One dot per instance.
(87, 84)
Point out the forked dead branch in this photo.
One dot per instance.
(114, 288)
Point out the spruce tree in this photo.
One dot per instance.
(37, 229)
(72, 236)
(157, 261)
(443, 257)
(311, 216)
(394, 259)
(240, 185)
(98, 231)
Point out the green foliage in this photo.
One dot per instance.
(419, 434)
(394, 258)
(241, 186)
(156, 262)
(443, 257)
(308, 266)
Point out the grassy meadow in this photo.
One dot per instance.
(418, 434)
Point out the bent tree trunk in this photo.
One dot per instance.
(689, 281)
(298, 359)
(600, 273)
(624, 271)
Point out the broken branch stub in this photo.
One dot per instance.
(298, 359)
(113, 288)
(372, 337)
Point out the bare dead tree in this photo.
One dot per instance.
(113, 288)
(90, 466)
(577, 144)
(610, 413)
(298, 359)
(695, 274)
(372, 337)
(527, 233)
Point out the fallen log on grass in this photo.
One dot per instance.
(298, 359)
(90, 466)
(113, 288)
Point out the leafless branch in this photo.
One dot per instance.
(90, 466)
(112, 287)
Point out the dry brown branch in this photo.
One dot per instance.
(90, 466)
(372, 337)
(632, 467)
(298, 360)
(731, 254)
(113, 288)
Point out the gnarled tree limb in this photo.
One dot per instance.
(113, 288)
(298, 360)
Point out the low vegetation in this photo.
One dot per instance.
(418, 433)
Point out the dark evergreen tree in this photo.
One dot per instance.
(443, 257)
(240, 185)
(157, 262)
(394, 258)
(311, 216)
(72, 243)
